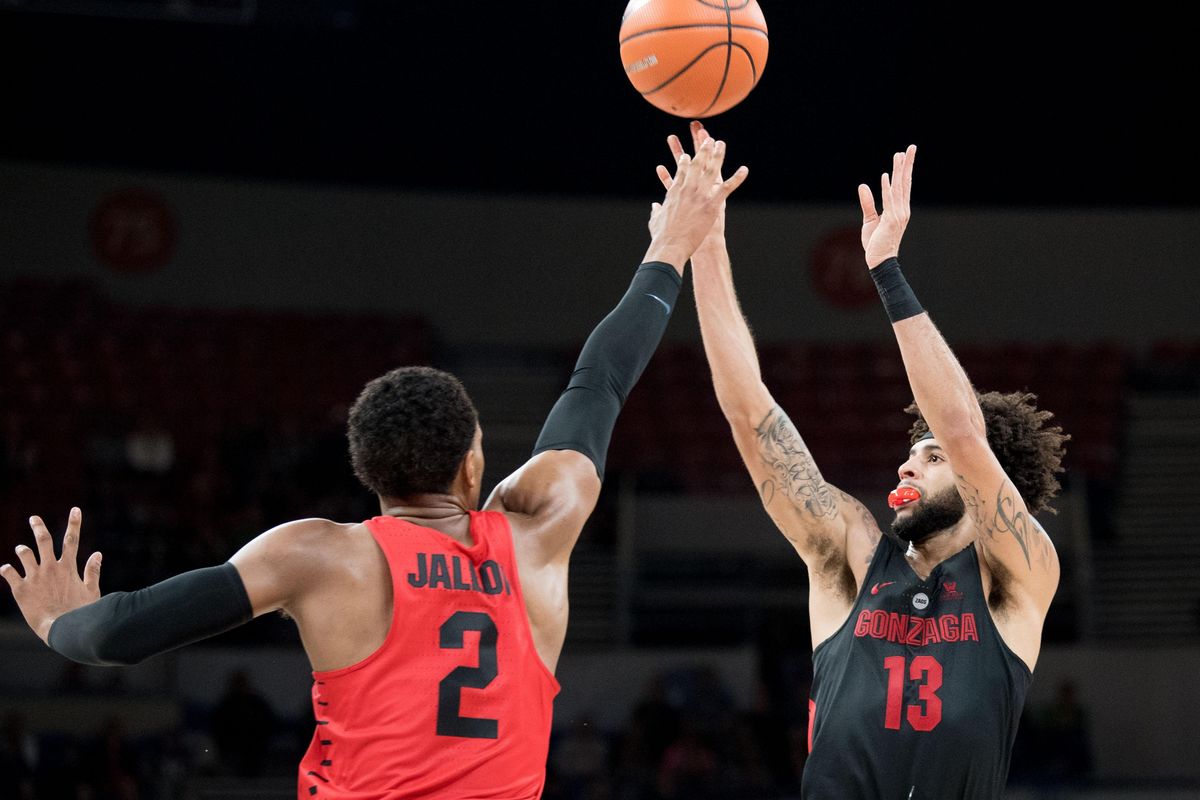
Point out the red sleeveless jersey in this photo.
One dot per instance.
(456, 703)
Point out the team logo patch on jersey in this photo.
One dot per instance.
(920, 601)
(950, 591)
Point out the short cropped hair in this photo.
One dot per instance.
(409, 431)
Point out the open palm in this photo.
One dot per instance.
(881, 233)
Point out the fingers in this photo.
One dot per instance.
(675, 145)
(699, 134)
(28, 561)
(714, 157)
(10, 574)
(910, 155)
(71, 538)
(867, 201)
(698, 167)
(664, 175)
(735, 180)
(91, 573)
(683, 167)
(885, 192)
(41, 535)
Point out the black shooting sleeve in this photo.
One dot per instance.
(610, 364)
(124, 628)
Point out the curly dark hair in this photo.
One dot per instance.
(1030, 451)
(409, 431)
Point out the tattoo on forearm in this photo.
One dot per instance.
(795, 473)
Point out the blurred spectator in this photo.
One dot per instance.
(242, 727)
(655, 719)
(112, 765)
(150, 448)
(636, 763)
(1064, 726)
(580, 761)
(18, 757)
(690, 768)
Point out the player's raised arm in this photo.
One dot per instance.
(824, 524)
(1014, 544)
(558, 487)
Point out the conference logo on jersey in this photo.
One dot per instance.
(920, 601)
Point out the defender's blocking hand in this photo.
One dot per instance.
(52, 586)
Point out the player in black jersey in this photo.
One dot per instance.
(924, 639)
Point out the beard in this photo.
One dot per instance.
(935, 513)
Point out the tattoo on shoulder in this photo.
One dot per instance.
(793, 469)
(974, 503)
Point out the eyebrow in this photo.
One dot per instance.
(913, 450)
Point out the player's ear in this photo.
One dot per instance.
(470, 470)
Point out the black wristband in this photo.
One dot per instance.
(125, 628)
(898, 298)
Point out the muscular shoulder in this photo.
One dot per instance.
(306, 538)
(287, 561)
(547, 501)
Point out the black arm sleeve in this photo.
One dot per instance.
(125, 628)
(610, 364)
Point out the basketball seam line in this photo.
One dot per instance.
(691, 27)
(725, 6)
(750, 58)
(728, 57)
(685, 68)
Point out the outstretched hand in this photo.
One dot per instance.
(881, 234)
(52, 586)
(716, 233)
(695, 199)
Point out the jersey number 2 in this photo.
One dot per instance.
(922, 667)
(449, 721)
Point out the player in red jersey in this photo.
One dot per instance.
(925, 639)
(433, 629)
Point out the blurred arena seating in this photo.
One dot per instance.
(847, 401)
(79, 374)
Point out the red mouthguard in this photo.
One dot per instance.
(902, 496)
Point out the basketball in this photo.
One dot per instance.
(694, 58)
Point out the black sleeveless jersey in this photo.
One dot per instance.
(916, 697)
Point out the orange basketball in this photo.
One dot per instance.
(694, 58)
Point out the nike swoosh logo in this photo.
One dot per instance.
(659, 299)
(875, 589)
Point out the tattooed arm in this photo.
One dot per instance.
(1015, 546)
(832, 532)
(828, 528)
(1018, 552)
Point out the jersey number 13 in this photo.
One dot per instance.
(923, 716)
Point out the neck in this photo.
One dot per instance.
(445, 513)
(925, 555)
(425, 507)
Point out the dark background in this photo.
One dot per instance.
(1047, 104)
(1015, 108)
